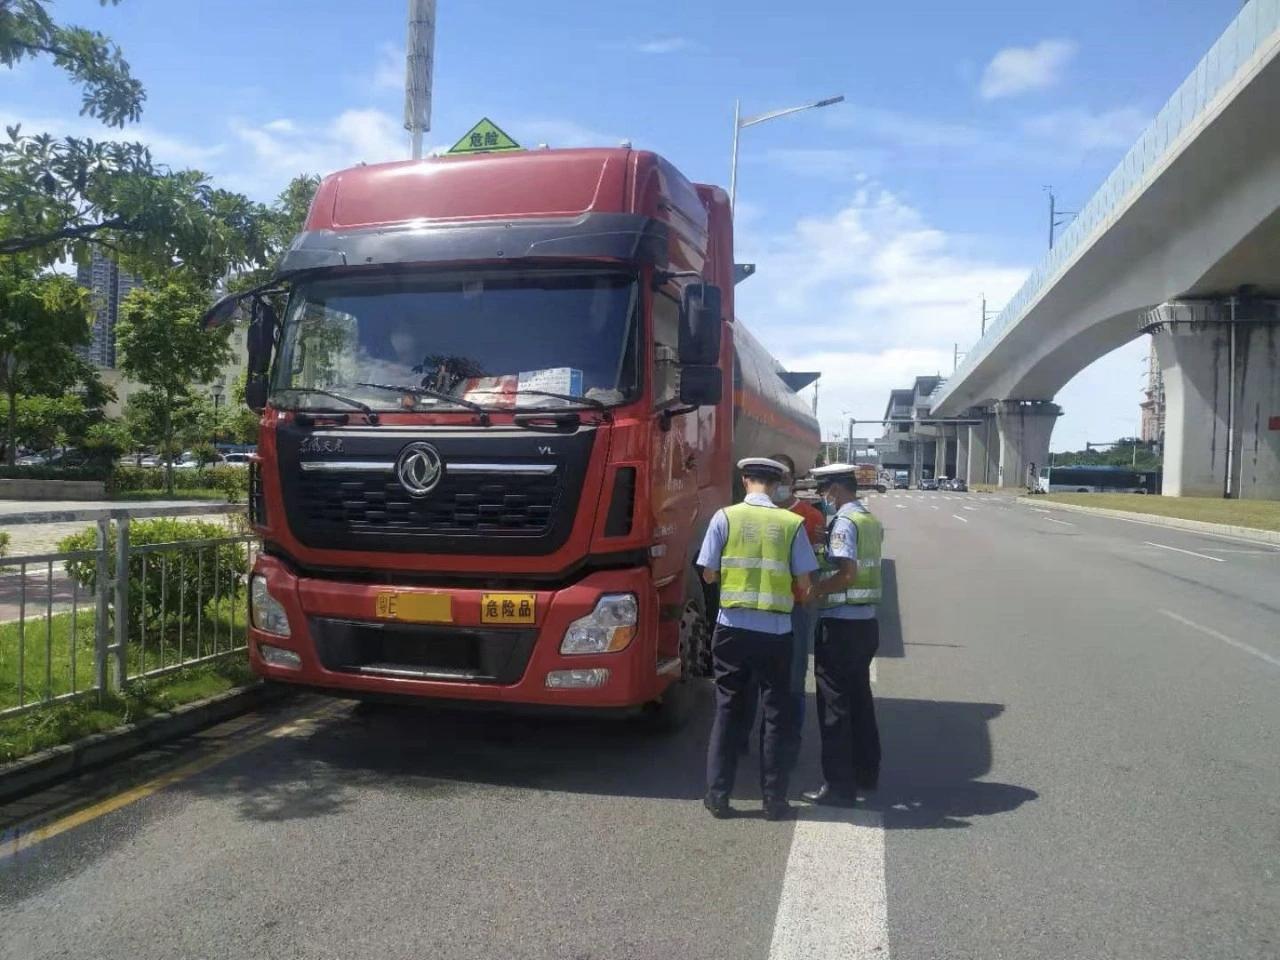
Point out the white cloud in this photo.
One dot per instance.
(872, 296)
(559, 133)
(1087, 130)
(658, 45)
(389, 72)
(1016, 70)
(283, 148)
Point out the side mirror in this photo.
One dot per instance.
(700, 322)
(701, 385)
(255, 392)
(261, 341)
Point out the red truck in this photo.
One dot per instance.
(501, 403)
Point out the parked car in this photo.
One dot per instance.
(928, 484)
(959, 486)
(237, 459)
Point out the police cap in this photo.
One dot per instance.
(762, 468)
(846, 474)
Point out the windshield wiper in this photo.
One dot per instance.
(435, 394)
(370, 414)
(588, 401)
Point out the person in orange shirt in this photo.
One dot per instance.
(804, 616)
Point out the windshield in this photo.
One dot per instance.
(497, 339)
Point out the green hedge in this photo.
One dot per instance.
(232, 481)
(214, 575)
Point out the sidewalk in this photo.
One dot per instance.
(29, 538)
(1252, 534)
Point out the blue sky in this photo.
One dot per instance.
(877, 224)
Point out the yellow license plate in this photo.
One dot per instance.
(508, 608)
(414, 607)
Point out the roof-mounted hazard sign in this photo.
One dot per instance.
(484, 137)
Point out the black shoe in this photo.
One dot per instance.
(870, 784)
(718, 807)
(827, 797)
(778, 810)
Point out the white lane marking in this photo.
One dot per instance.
(1189, 553)
(1229, 641)
(934, 506)
(901, 506)
(967, 507)
(833, 904)
(873, 670)
(960, 518)
(1065, 523)
(1039, 509)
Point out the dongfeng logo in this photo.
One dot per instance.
(419, 469)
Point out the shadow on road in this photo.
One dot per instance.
(934, 754)
(887, 612)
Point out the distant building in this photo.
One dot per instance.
(109, 286)
(1153, 405)
(907, 443)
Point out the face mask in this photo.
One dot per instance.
(782, 493)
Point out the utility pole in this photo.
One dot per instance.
(986, 314)
(419, 65)
(849, 459)
(1056, 217)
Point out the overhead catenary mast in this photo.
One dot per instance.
(419, 64)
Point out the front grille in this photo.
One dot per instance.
(503, 491)
(501, 505)
(423, 651)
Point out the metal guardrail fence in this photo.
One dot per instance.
(71, 627)
(1254, 29)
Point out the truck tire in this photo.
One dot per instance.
(680, 700)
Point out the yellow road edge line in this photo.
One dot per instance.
(23, 841)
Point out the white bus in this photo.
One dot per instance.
(1098, 479)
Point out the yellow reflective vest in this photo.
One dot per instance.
(755, 565)
(866, 583)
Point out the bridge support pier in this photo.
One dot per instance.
(1025, 427)
(1221, 364)
(984, 450)
(940, 454)
(962, 452)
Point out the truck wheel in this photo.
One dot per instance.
(679, 701)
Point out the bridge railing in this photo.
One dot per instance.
(79, 622)
(1253, 30)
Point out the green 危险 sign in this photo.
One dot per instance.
(485, 137)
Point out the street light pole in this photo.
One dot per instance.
(739, 125)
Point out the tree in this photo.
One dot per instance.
(60, 196)
(163, 345)
(42, 320)
(110, 93)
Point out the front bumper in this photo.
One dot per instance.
(343, 645)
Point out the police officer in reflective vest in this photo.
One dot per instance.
(756, 551)
(848, 637)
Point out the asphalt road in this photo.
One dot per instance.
(1081, 720)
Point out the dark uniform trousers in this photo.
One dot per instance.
(741, 659)
(846, 711)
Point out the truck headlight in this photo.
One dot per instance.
(266, 611)
(606, 629)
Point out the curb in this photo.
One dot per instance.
(1252, 534)
(29, 774)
